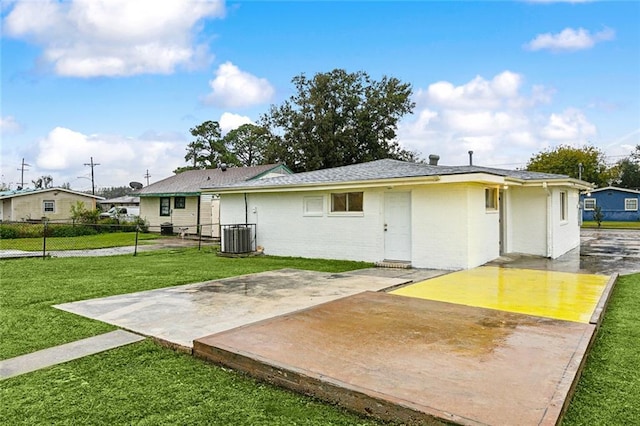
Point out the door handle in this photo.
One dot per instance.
(385, 227)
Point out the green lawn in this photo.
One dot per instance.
(86, 242)
(147, 384)
(612, 225)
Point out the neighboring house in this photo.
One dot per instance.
(127, 206)
(36, 204)
(427, 215)
(616, 204)
(124, 201)
(178, 200)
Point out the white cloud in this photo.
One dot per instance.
(570, 39)
(500, 119)
(476, 93)
(229, 121)
(235, 88)
(90, 38)
(8, 124)
(571, 126)
(63, 153)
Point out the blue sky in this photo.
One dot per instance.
(123, 81)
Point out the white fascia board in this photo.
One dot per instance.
(326, 186)
(570, 182)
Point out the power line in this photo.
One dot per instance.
(93, 186)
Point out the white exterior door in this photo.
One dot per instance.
(397, 226)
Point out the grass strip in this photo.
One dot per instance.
(85, 242)
(609, 388)
(612, 225)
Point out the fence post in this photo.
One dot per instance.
(199, 237)
(135, 250)
(44, 240)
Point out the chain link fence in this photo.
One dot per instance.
(65, 239)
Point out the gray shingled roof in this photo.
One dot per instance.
(386, 169)
(190, 182)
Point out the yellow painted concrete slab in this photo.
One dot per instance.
(551, 294)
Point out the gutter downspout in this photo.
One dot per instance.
(549, 220)
(246, 210)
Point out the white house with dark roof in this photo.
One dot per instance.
(178, 199)
(429, 216)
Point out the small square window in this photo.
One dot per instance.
(313, 206)
(589, 203)
(49, 206)
(631, 204)
(179, 202)
(491, 198)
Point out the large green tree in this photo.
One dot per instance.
(338, 118)
(248, 143)
(587, 162)
(627, 171)
(208, 149)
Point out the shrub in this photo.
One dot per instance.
(70, 230)
(9, 231)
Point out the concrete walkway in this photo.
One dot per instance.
(58, 354)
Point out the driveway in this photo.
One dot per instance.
(601, 251)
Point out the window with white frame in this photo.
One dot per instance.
(564, 208)
(491, 198)
(313, 206)
(589, 203)
(346, 202)
(49, 206)
(631, 204)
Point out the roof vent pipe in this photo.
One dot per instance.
(471, 158)
(433, 159)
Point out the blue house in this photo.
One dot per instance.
(616, 204)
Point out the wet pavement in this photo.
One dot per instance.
(601, 251)
(178, 315)
(412, 360)
(408, 359)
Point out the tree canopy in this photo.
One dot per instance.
(248, 143)
(566, 160)
(208, 149)
(337, 118)
(626, 172)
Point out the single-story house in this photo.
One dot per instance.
(126, 201)
(37, 204)
(426, 215)
(178, 200)
(616, 204)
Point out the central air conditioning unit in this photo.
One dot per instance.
(236, 239)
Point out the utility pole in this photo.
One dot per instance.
(21, 169)
(147, 175)
(93, 185)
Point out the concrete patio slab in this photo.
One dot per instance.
(178, 315)
(412, 360)
(67, 352)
